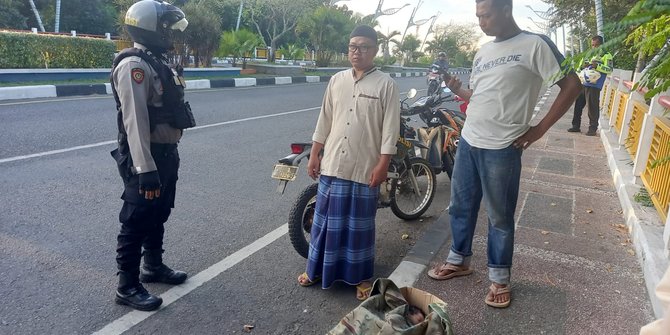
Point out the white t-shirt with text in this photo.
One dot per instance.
(507, 78)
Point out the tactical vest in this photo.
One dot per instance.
(175, 111)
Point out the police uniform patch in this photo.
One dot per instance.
(138, 75)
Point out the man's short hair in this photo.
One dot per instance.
(599, 38)
(365, 31)
(498, 3)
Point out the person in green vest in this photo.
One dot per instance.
(593, 75)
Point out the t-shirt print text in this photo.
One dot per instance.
(495, 62)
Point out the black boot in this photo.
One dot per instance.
(130, 292)
(153, 270)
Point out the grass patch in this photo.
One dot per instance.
(643, 198)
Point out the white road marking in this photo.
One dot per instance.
(87, 146)
(133, 318)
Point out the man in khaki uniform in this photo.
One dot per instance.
(152, 114)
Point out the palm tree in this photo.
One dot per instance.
(408, 48)
(385, 41)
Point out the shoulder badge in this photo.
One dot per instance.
(137, 74)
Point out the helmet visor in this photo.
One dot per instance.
(180, 25)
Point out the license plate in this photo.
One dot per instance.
(284, 172)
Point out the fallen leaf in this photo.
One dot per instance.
(404, 236)
(420, 220)
(631, 252)
(248, 328)
(589, 210)
(546, 242)
(478, 281)
(549, 280)
(553, 204)
(617, 291)
(584, 233)
(544, 232)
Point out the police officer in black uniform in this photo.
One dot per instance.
(152, 114)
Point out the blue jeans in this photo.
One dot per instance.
(495, 175)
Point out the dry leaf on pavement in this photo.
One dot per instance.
(404, 236)
(544, 232)
(631, 252)
(248, 328)
(589, 210)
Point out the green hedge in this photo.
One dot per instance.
(30, 51)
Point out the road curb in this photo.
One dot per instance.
(422, 253)
(52, 91)
(643, 223)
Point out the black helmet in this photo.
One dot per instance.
(150, 22)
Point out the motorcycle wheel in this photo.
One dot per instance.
(405, 203)
(433, 86)
(300, 219)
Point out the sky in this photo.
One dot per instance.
(451, 11)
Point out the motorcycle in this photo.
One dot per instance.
(408, 190)
(442, 131)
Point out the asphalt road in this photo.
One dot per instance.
(59, 219)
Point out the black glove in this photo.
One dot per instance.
(149, 181)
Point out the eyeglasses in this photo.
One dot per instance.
(362, 48)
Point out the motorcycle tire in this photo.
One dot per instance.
(300, 219)
(402, 186)
(433, 86)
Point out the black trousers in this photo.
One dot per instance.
(142, 220)
(590, 98)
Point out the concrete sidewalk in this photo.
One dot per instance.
(576, 269)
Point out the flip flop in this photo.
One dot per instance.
(456, 271)
(309, 282)
(496, 292)
(362, 293)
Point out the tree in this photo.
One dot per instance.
(385, 43)
(203, 32)
(11, 16)
(408, 48)
(581, 16)
(238, 44)
(646, 28)
(328, 31)
(459, 41)
(274, 19)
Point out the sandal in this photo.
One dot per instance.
(304, 281)
(452, 271)
(496, 292)
(362, 293)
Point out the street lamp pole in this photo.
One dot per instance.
(37, 14)
(599, 17)
(57, 24)
(430, 30)
(411, 20)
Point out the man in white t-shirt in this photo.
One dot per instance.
(507, 77)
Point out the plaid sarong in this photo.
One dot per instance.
(342, 245)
